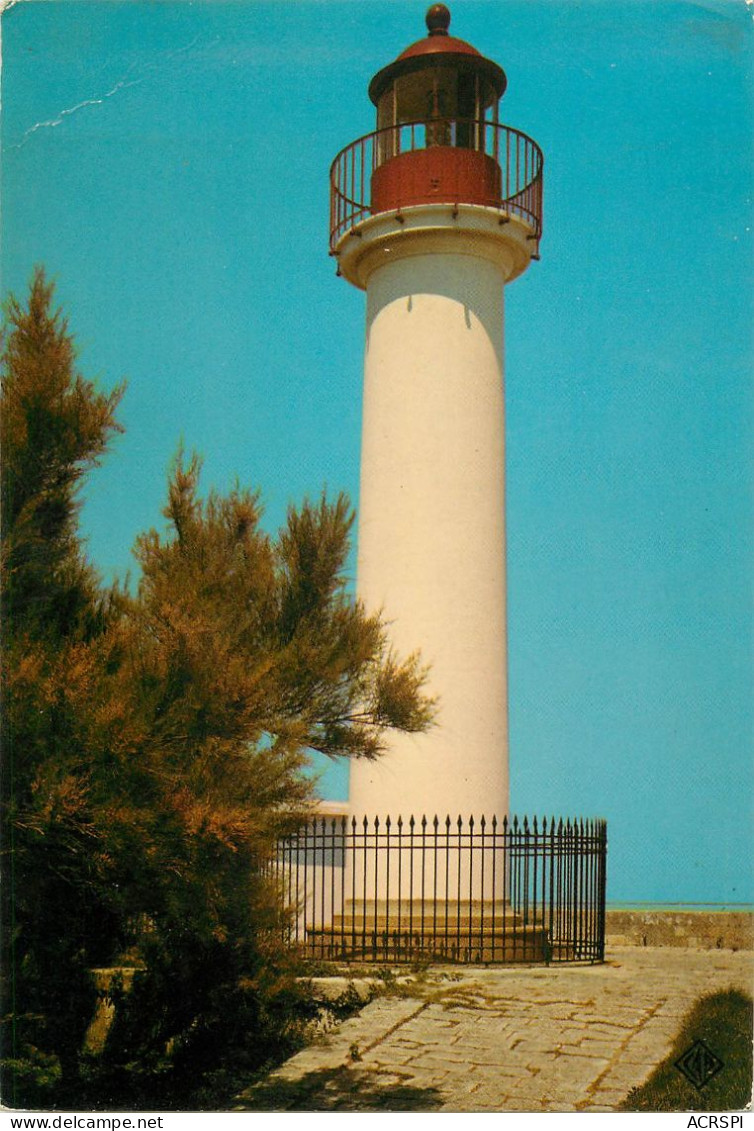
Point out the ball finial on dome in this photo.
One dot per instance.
(438, 19)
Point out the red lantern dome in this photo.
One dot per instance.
(439, 51)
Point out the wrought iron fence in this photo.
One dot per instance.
(458, 891)
(518, 189)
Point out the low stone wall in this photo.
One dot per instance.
(708, 930)
(105, 978)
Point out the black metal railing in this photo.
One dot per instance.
(518, 191)
(460, 891)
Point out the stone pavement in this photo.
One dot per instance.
(568, 1038)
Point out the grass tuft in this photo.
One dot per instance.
(723, 1020)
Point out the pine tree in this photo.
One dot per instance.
(157, 745)
(54, 427)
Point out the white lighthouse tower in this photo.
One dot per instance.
(432, 215)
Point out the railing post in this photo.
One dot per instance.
(471, 878)
(376, 885)
(493, 934)
(323, 880)
(602, 886)
(400, 875)
(411, 824)
(458, 887)
(506, 883)
(424, 860)
(534, 892)
(365, 865)
(483, 825)
(447, 878)
(435, 825)
(387, 884)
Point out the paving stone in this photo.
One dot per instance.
(524, 1039)
(611, 1096)
(492, 1072)
(597, 1046)
(435, 1059)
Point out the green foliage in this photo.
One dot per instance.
(155, 747)
(723, 1020)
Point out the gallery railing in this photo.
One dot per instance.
(459, 891)
(514, 159)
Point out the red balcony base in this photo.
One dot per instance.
(436, 175)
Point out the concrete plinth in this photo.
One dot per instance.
(399, 931)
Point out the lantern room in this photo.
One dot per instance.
(433, 104)
(439, 77)
(438, 140)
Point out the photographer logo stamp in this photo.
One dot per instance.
(699, 1064)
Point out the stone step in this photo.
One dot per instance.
(453, 906)
(503, 944)
(467, 914)
(437, 926)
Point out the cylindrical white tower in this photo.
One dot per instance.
(432, 215)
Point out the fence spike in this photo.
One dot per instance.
(366, 824)
(483, 823)
(435, 822)
(411, 822)
(400, 822)
(494, 822)
(376, 823)
(526, 824)
(387, 822)
(515, 823)
(447, 821)
(471, 821)
(459, 822)
(424, 822)
(534, 826)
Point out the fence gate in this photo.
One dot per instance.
(446, 891)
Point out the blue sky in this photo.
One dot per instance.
(168, 164)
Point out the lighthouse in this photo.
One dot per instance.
(433, 214)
